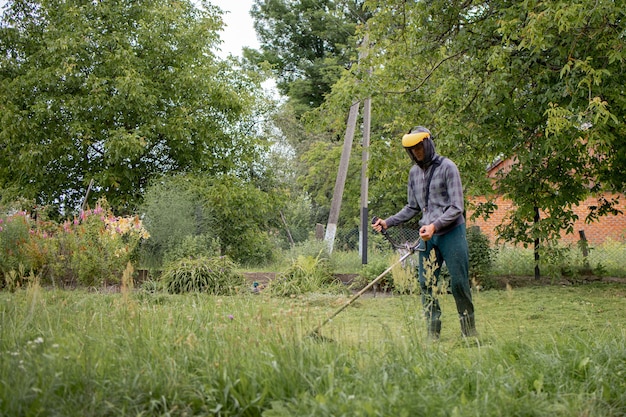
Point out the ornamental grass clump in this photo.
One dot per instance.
(215, 276)
(307, 274)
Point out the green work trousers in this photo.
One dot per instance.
(452, 249)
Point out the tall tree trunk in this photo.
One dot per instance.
(536, 249)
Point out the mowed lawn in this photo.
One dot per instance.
(542, 351)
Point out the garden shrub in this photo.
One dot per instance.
(216, 276)
(227, 209)
(245, 214)
(254, 248)
(306, 274)
(172, 212)
(481, 258)
(372, 270)
(14, 237)
(95, 248)
(193, 247)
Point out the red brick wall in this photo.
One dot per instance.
(613, 227)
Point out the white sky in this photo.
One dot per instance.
(239, 30)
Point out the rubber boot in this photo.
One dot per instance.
(434, 329)
(468, 325)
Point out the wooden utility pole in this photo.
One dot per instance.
(367, 113)
(335, 206)
(333, 218)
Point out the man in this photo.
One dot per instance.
(435, 190)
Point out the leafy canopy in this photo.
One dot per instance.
(308, 43)
(119, 92)
(538, 81)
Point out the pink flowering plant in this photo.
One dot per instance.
(92, 248)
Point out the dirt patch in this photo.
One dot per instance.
(501, 282)
(260, 277)
(265, 277)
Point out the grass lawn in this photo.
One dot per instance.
(542, 351)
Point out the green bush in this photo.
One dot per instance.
(306, 274)
(216, 276)
(14, 240)
(229, 210)
(173, 211)
(193, 247)
(254, 248)
(481, 257)
(372, 270)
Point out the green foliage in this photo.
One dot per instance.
(14, 238)
(306, 274)
(481, 257)
(228, 211)
(119, 92)
(243, 214)
(91, 250)
(193, 247)
(173, 211)
(371, 271)
(215, 276)
(316, 45)
(17, 278)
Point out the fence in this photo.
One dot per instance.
(566, 259)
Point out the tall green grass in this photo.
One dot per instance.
(558, 351)
(602, 260)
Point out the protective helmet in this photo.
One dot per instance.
(417, 135)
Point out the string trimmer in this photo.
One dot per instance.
(410, 249)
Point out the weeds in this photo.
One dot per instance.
(306, 274)
(560, 353)
(215, 276)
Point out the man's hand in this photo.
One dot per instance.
(379, 225)
(427, 232)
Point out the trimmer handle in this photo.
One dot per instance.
(383, 230)
(374, 219)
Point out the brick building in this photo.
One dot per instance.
(608, 227)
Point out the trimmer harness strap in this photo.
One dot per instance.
(436, 162)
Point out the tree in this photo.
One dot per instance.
(234, 212)
(309, 43)
(118, 92)
(539, 81)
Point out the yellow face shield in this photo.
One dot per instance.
(411, 139)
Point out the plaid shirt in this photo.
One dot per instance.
(445, 205)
